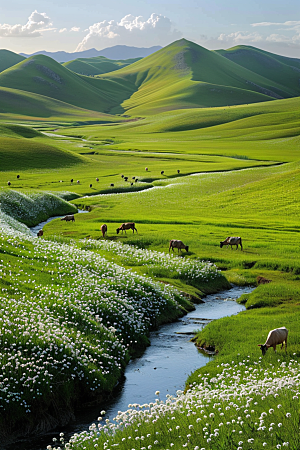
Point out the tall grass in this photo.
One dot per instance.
(33, 207)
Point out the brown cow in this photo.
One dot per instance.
(127, 226)
(69, 218)
(103, 229)
(40, 233)
(177, 244)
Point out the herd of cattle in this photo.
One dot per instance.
(275, 337)
(174, 243)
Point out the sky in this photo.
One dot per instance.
(75, 25)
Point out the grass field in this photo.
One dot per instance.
(230, 171)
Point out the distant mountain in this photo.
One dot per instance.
(9, 59)
(97, 65)
(117, 52)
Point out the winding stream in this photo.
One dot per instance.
(164, 366)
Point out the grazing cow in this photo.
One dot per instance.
(131, 184)
(136, 180)
(78, 182)
(18, 176)
(69, 218)
(72, 180)
(40, 233)
(146, 168)
(125, 178)
(126, 226)
(122, 176)
(8, 183)
(91, 185)
(177, 244)
(232, 241)
(103, 229)
(97, 179)
(162, 172)
(275, 337)
(178, 171)
(111, 184)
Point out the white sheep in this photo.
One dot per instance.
(275, 337)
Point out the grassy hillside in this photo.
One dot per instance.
(17, 105)
(184, 74)
(98, 65)
(9, 59)
(181, 75)
(42, 75)
(21, 154)
(280, 69)
(263, 131)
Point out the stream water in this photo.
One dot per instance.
(164, 366)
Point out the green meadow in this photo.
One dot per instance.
(193, 155)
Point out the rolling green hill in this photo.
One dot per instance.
(42, 75)
(180, 76)
(24, 106)
(9, 59)
(276, 68)
(186, 75)
(97, 65)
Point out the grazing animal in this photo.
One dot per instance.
(91, 185)
(72, 180)
(18, 176)
(97, 179)
(125, 178)
(177, 244)
(162, 172)
(232, 241)
(122, 176)
(131, 184)
(136, 180)
(146, 168)
(78, 182)
(178, 171)
(103, 229)
(69, 218)
(275, 337)
(40, 233)
(112, 184)
(127, 226)
(8, 183)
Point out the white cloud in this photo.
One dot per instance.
(63, 30)
(288, 23)
(131, 30)
(75, 29)
(37, 23)
(240, 37)
(278, 38)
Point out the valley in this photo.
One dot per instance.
(209, 144)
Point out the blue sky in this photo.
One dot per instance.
(72, 25)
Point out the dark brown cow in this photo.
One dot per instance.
(103, 229)
(174, 243)
(69, 218)
(127, 226)
(40, 233)
(232, 241)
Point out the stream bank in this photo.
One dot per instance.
(164, 366)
